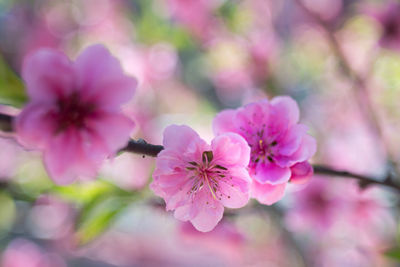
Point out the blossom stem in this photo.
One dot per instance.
(140, 146)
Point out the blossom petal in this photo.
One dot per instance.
(48, 74)
(271, 173)
(285, 109)
(185, 213)
(222, 123)
(98, 71)
(64, 159)
(234, 193)
(301, 173)
(113, 128)
(209, 212)
(292, 140)
(230, 149)
(179, 137)
(34, 125)
(266, 193)
(305, 151)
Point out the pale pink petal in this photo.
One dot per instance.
(154, 186)
(185, 213)
(286, 109)
(223, 122)
(306, 150)
(252, 117)
(179, 137)
(34, 125)
(209, 212)
(97, 72)
(113, 129)
(266, 193)
(235, 192)
(301, 173)
(271, 173)
(64, 160)
(230, 149)
(292, 140)
(168, 162)
(174, 195)
(48, 75)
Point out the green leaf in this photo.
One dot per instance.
(151, 28)
(12, 90)
(97, 218)
(393, 253)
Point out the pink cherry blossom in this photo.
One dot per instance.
(280, 147)
(197, 179)
(74, 115)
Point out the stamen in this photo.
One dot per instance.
(209, 186)
(260, 143)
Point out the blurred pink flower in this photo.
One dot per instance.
(316, 207)
(24, 30)
(278, 144)
(338, 205)
(74, 113)
(129, 171)
(225, 239)
(197, 180)
(389, 20)
(51, 218)
(9, 158)
(197, 15)
(23, 253)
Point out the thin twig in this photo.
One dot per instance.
(359, 83)
(364, 180)
(6, 122)
(142, 147)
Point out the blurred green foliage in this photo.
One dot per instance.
(12, 90)
(151, 28)
(99, 204)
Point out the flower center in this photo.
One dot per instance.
(72, 112)
(391, 27)
(208, 175)
(262, 151)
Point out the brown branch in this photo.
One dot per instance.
(364, 180)
(363, 99)
(6, 122)
(142, 147)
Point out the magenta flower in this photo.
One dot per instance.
(389, 20)
(74, 113)
(197, 180)
(280, 147)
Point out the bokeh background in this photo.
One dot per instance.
(340, 60)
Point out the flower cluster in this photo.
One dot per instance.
(262, 140)
(74, 117)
